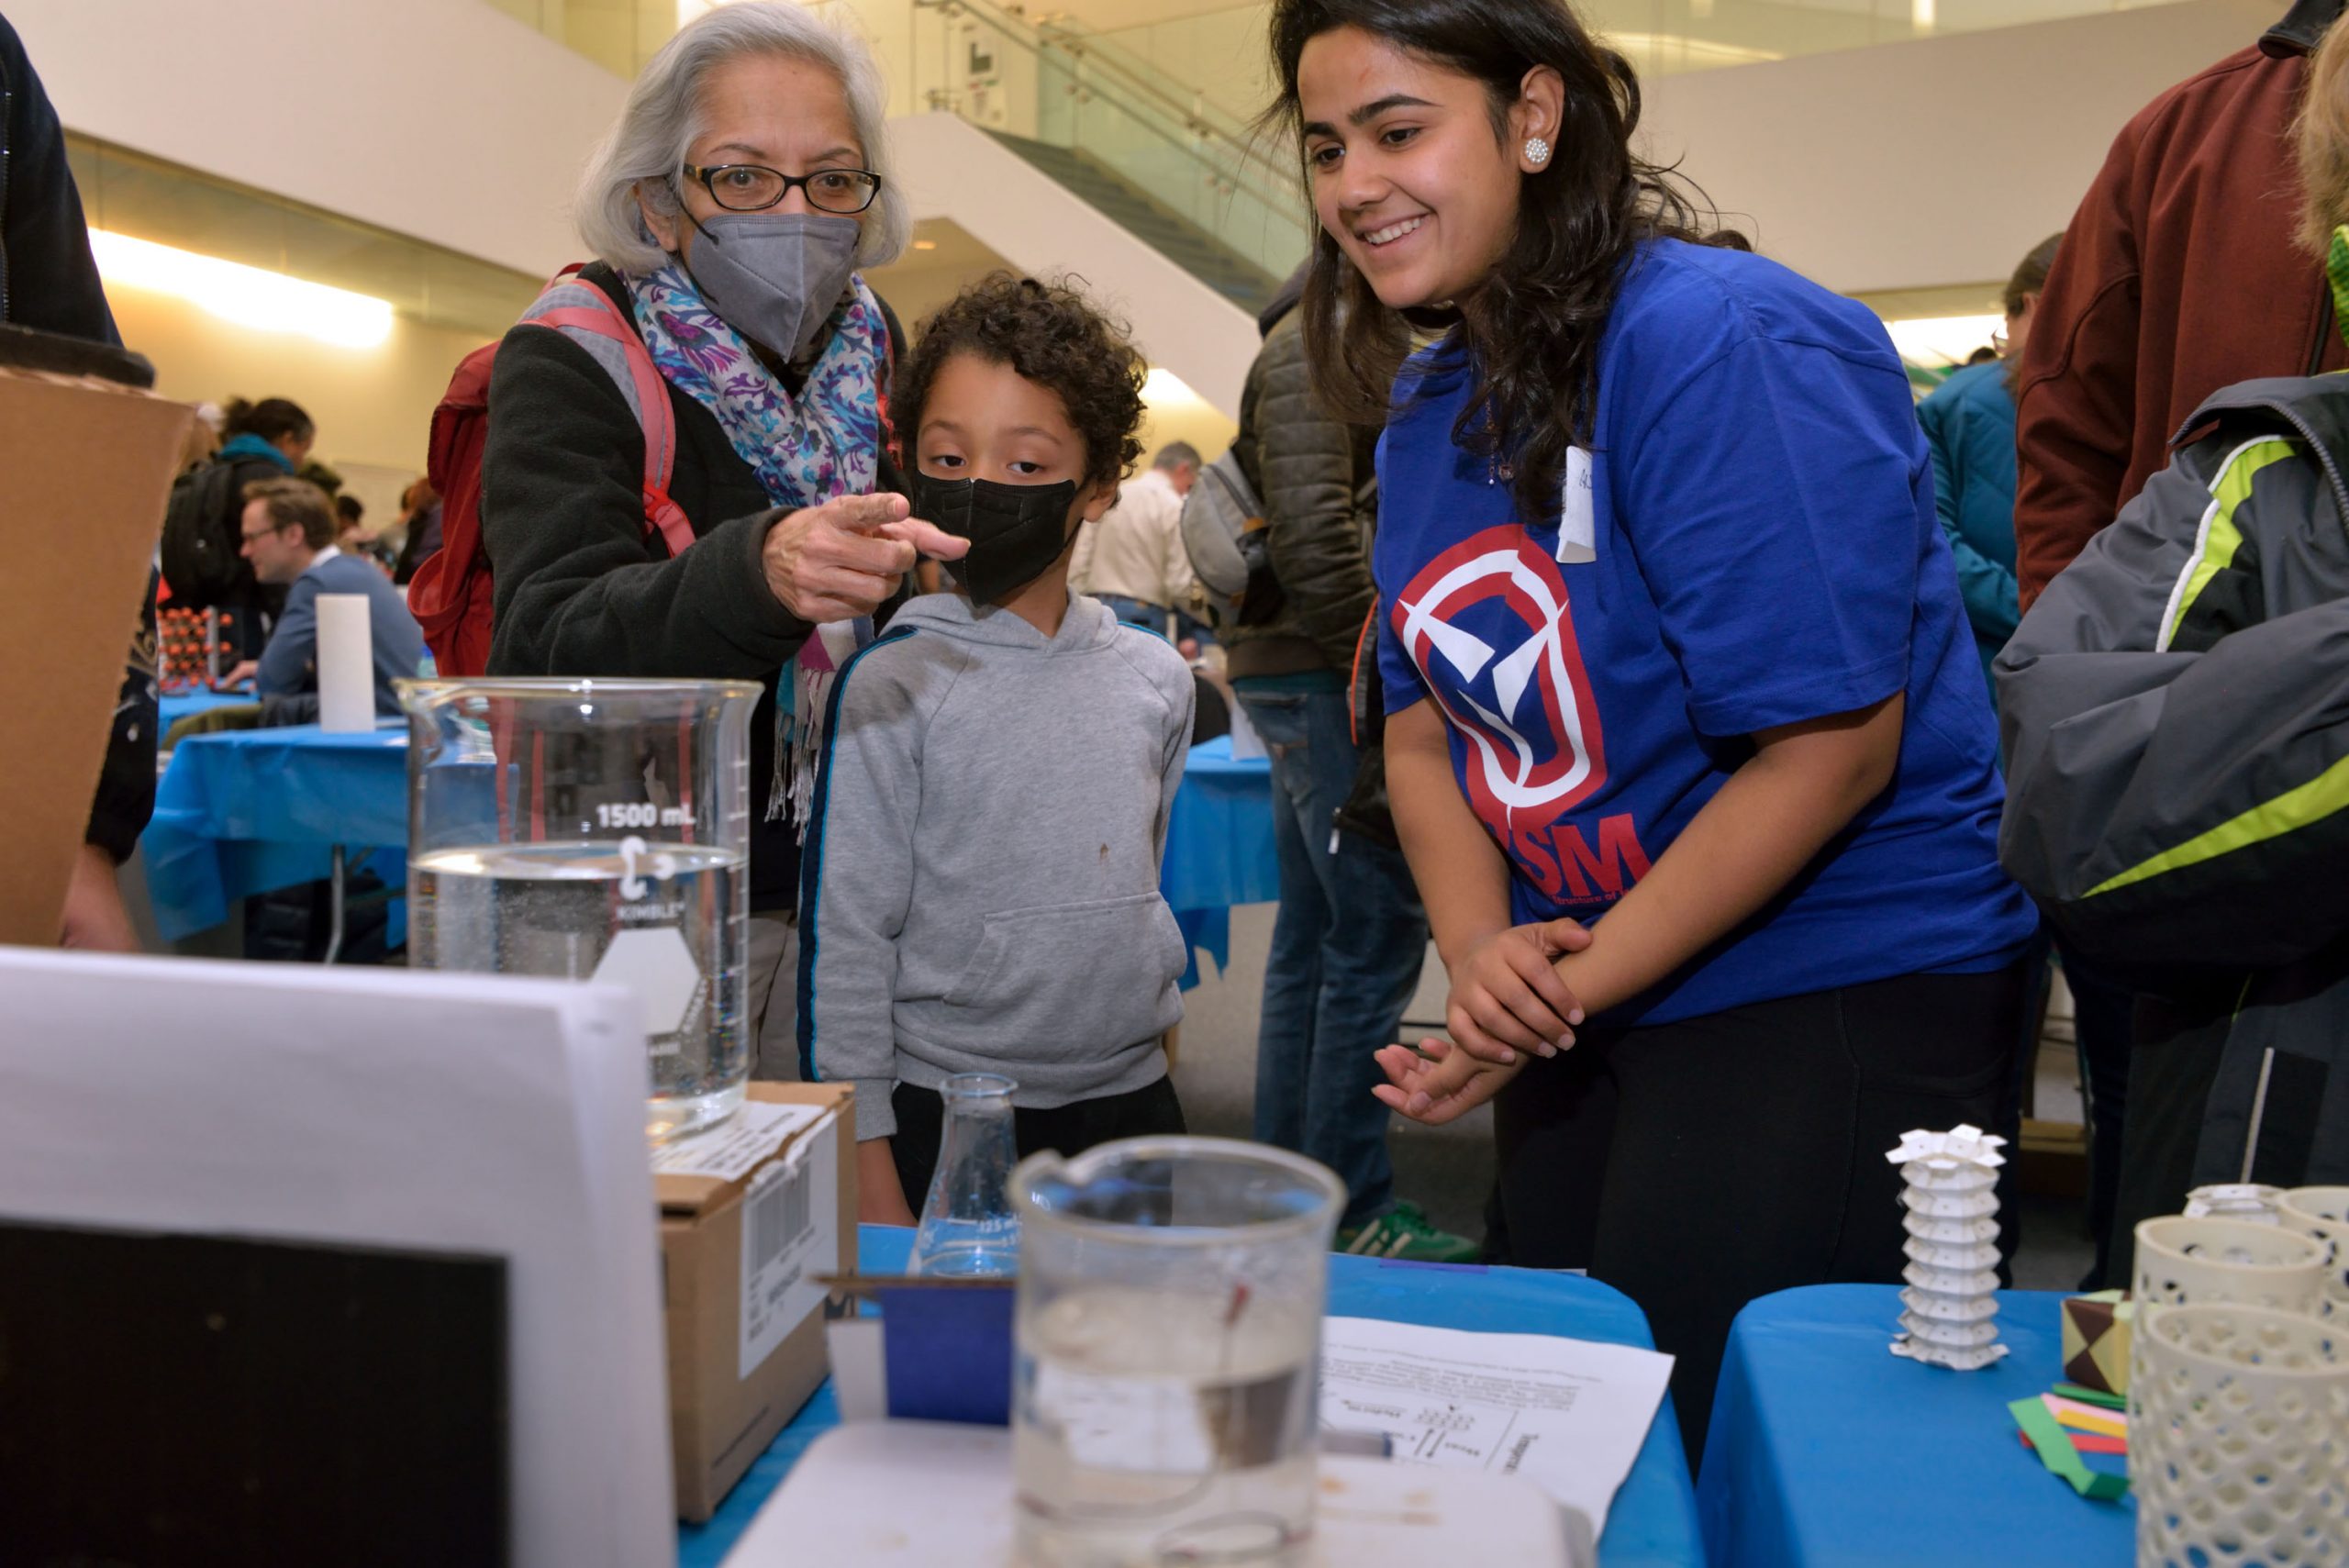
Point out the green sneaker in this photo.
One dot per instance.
(1403, 1232)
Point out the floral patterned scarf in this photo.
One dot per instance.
(806, 450)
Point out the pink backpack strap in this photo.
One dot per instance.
(596, 315)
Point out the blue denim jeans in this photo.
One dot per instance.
(1171, 625)
(1347, 947)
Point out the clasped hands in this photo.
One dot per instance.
(1507, 1003)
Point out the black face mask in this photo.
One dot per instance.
(1016, 531)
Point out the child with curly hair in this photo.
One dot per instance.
(979, 891)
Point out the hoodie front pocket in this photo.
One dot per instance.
(1093, 973)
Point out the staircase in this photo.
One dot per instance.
(1191, 248)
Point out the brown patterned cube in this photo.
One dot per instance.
(2096, 1340)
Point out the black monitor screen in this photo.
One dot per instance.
(178, 1401)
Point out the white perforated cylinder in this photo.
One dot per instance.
(2183, 1262)
(2321, 1214)
(2238, 1438)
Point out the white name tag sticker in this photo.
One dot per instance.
(1578, 514)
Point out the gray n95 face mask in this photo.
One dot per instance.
(775, 277)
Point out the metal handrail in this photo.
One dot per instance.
(1016, 28)
(1196, 115)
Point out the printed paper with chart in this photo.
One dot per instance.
(1568, 1415)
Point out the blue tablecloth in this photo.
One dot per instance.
(1219, 849)
(177, 705)
(1219, 837)
(1652, 1523)
(246, 811)
(1826, 1450)
(249, 810)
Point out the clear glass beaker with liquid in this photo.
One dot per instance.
(595, 829)
(1169, 1337)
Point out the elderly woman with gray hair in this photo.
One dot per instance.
(746, 182)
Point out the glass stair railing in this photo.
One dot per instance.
(1141, 149)
(1208, 111)
(1194, 250)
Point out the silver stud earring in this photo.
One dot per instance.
(1537, 152)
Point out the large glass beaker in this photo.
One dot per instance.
(594, 829)
(1169, 1337)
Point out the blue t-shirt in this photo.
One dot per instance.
(1759, 549)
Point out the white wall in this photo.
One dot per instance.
(1943, 161)
(452, 122)
(1905, 166)
(373, 407)
(443, 119)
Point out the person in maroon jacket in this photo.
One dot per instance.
(2178, 276)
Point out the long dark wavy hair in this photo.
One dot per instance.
(1532, 331)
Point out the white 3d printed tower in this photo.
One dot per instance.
(1949, 1311)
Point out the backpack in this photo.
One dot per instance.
(203, 554)
(453, 591)
(1223, 534)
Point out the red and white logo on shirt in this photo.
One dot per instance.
(1488, 624)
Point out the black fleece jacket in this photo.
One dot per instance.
(1313, 474)
(582, 590)
(50, 281)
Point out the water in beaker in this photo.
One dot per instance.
(595, 829)
(1171, 1298)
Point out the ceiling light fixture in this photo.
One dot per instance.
(1162, 388)
(250, 296)
(1678, 51)
(1941, 340)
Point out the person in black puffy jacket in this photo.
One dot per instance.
(1351, 937)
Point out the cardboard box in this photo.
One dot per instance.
(739, 1261)
(82, 494)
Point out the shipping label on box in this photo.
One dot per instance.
(790, 1235)
(753, 1215)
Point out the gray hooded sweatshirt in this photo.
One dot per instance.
(979, 891)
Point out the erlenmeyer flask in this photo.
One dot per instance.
(967, 1225)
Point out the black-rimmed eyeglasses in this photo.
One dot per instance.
(754, 187)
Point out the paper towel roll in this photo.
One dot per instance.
(346, 663)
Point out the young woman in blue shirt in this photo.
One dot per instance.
(1686, 739)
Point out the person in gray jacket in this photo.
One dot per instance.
(2176, 710)
(979, 889)
(2176, 717)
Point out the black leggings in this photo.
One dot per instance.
(1148, 1111)
(1695, 1166)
